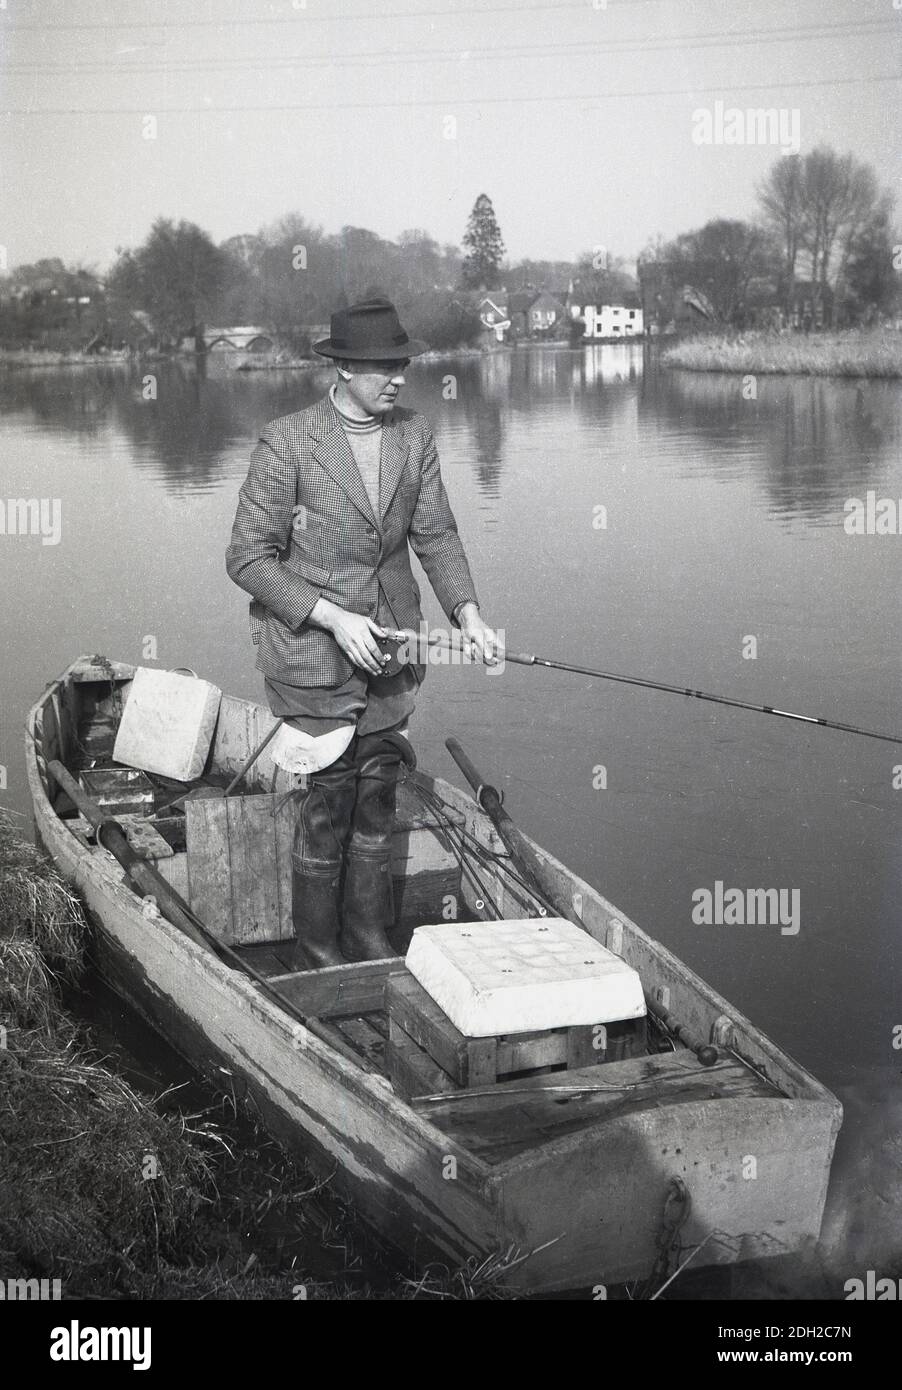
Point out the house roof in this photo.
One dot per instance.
(476, 298)
(546, 300)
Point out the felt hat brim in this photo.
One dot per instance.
(391, 353)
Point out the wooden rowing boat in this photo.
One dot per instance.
(575, 1175)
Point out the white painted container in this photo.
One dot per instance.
(523, 975)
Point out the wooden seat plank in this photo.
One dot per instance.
(364, 1038)
(517, 1115)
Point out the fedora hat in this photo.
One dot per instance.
(368, 332)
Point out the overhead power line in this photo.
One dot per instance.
(516, 52)
(309, 16)
(451, 103)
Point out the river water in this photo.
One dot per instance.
(616, 515)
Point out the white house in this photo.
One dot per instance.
(494, 315)
(609, 320)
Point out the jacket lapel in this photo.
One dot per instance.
(333, 452)
(395, 452)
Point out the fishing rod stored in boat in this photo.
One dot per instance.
(489, 799)
(528, 659)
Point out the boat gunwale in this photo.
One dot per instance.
(372, 1085)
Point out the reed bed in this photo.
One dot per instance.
(866, 353)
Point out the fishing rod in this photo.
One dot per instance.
(528, 659)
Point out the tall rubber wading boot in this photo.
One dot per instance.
(368, 909)
(323, 825)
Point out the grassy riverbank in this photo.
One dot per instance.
(119, 1195)
(12, 359)
(867, 353)
(50, 357)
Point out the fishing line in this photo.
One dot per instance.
(488, 858)
(445, 825)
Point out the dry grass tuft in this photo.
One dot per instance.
(94, 1183)
(875, 352)
(37, 906)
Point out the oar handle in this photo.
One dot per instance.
(705, 1053)
(469, 771)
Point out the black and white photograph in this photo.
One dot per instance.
(450, 708)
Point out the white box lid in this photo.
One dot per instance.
(522, 975)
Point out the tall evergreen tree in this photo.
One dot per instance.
(483, 244)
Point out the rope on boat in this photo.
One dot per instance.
(675, 1214)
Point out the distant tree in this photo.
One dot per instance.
(245, 248)
(576, 330)
(830, 189)
(296, 275)
(367, 263)
(721, 260)
(239, 298)
(869, 279)
(420, 261)
(602, 278)
(49, 302)
(441, 319)
(553, 276)
(173, 278)
(483, 246)
(781, 200)
(826, 209)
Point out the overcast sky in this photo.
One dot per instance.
(338, 109)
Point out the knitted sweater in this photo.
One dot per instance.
(365, 439)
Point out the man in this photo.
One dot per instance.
(334, 497)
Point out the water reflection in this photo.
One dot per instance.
(190, 424)
(178, 419)
(808, 444)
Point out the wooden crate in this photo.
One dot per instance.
(427, 1054)
(239, 865)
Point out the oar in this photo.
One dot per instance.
(111, 836)
(526, 858)
(528, 659)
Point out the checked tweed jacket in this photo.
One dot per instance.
(305, 528)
